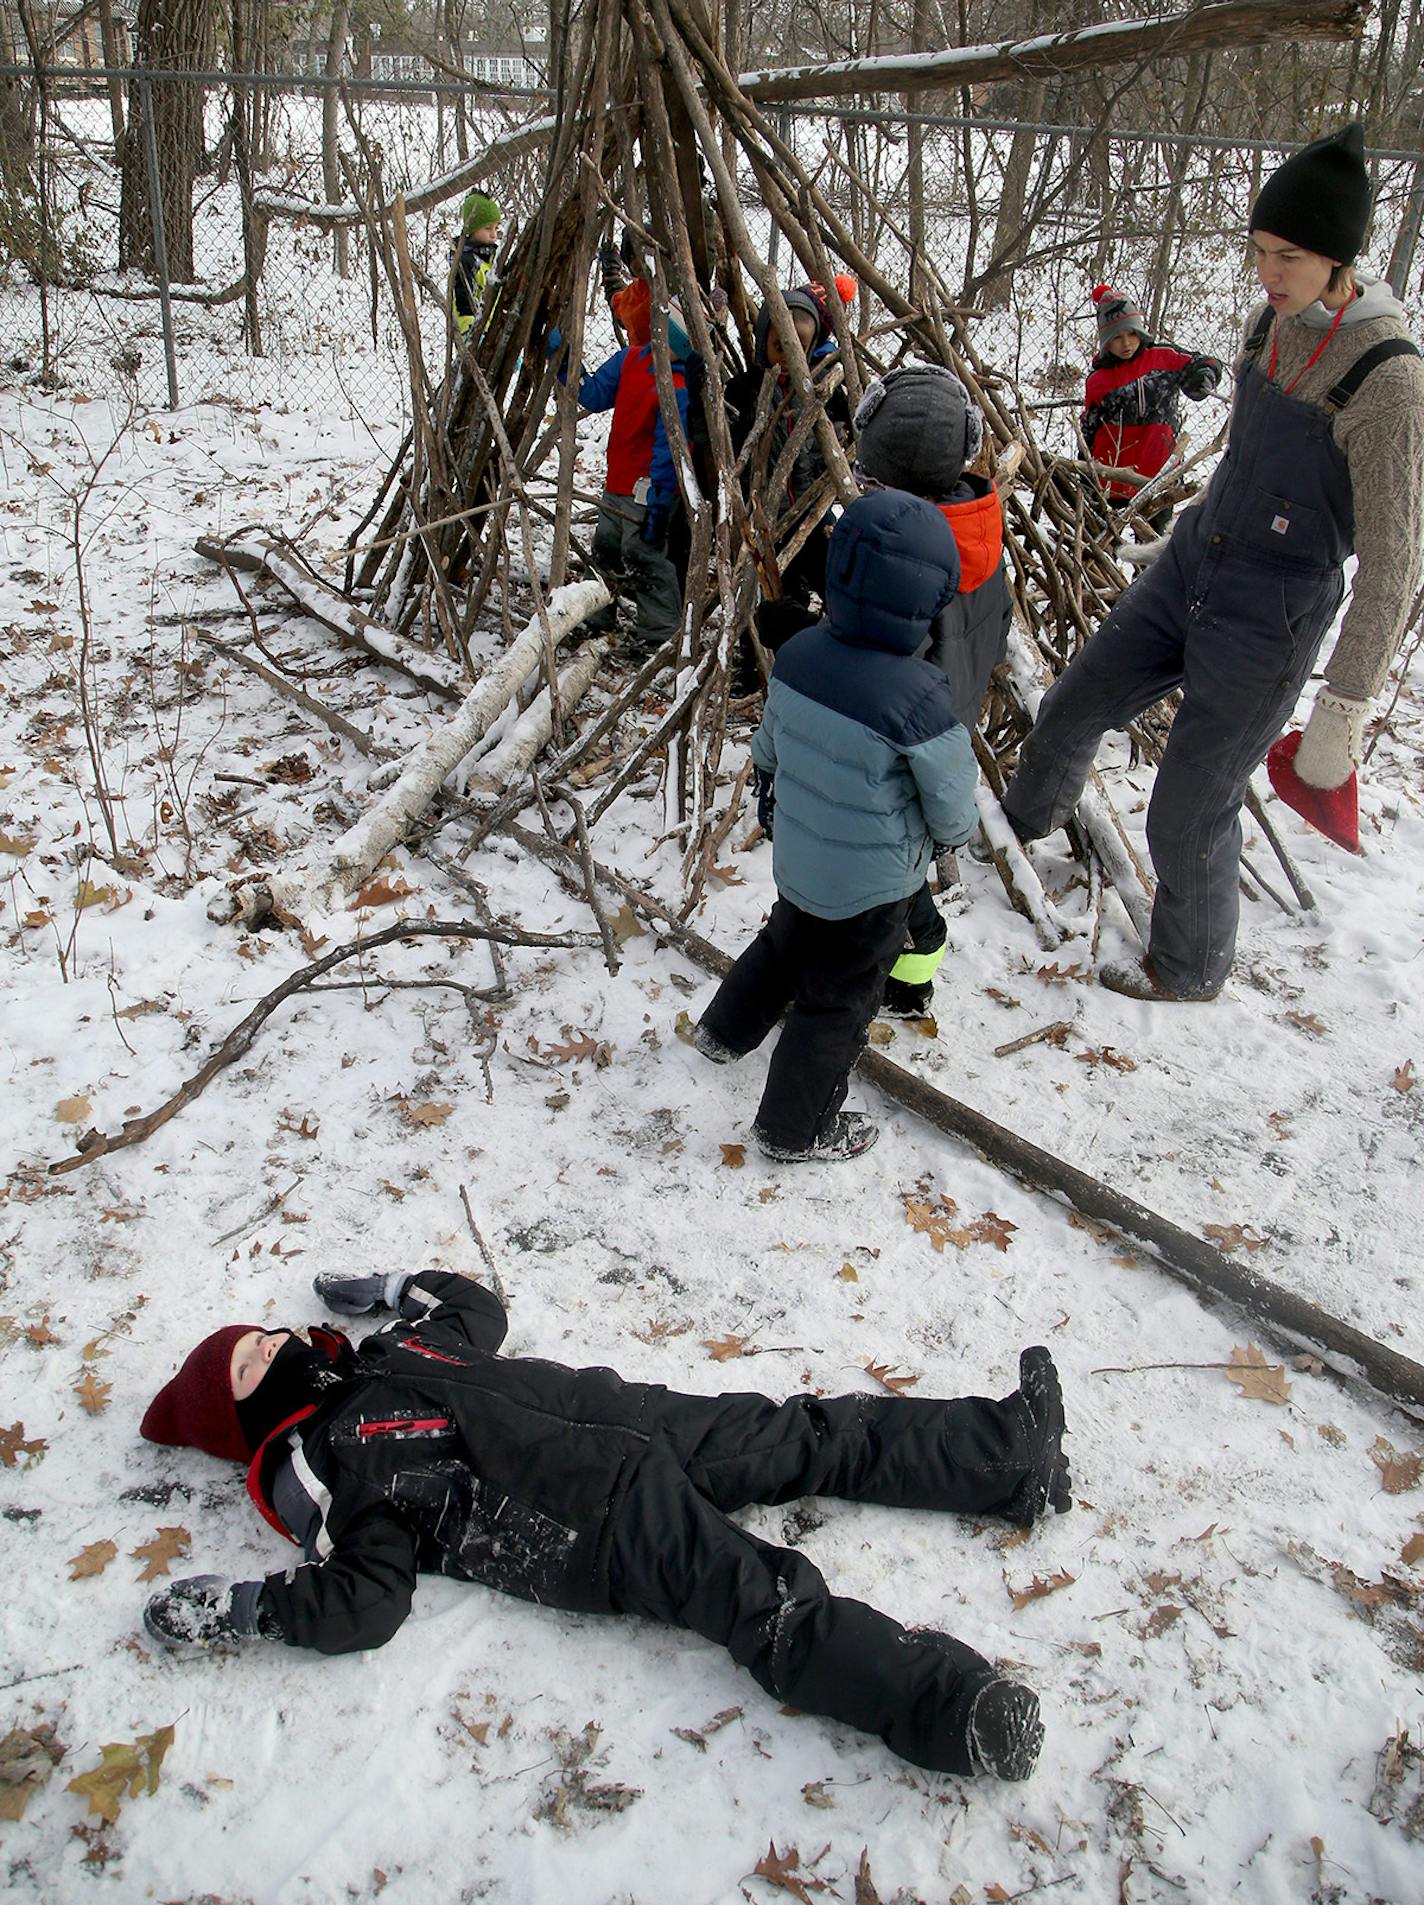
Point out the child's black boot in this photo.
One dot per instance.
(1047, 1482)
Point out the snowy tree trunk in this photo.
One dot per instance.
(533, 731)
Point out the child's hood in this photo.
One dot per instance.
(892, 565)
(976, 519)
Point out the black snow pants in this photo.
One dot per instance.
(676, 1558)
(831, 972)
(1233, 613)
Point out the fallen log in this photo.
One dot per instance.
(329, 607)
(1347, 1352)
(534, 729)
(1052, 55)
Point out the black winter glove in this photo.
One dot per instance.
(204, 1614)
(765, 800)
(1200, 378)
(610, 267)
(359, 1296)
(655, 522)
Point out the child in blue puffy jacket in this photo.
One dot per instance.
(870, 773)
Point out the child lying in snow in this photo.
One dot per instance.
(425, 1451)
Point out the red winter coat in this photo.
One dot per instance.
(1133, 414)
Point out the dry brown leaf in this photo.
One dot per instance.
(725, 1348)
(814, 1793)
(1161, 1619)
(1229, 1237)
(1002, 998)
(1403, 1079)
(17, 844)
(124, 1770)
(90, 895)
(28, 1755)
(848, 1273)
(883, 1374)
(13, 1445)
(575, 1047)
(1308, 1022)
(1257, 1379)
(93, 1393)
(996, 1895)
(1115, 1061)
(1413, 1551)
(169, 1544)
(990, 1228)
(91, 1560)
(684, 1028)
(1039, 1586)
(428, 1114)
(734, 1156)
(1056, 975)
(725, 876)
(936, 1224)
(625, 925)
(781, 1870)
(382, 892)
(71, 1110)
(1398, 1473)
(40, 1335)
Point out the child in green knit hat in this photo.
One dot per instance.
(473, 257)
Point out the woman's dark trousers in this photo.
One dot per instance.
(677, 1558)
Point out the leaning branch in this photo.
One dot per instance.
(95, 1144)
(1050, 56)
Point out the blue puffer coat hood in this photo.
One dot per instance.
(891, 566)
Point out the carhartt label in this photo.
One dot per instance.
(1280, 524)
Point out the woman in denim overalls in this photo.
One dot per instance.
(1235, 610)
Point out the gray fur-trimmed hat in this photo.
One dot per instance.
(917, 430)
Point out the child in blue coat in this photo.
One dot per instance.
(870, 774)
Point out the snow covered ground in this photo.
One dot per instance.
(1233, 1631)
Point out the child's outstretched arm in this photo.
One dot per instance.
(356, 1598)
(437, 1296)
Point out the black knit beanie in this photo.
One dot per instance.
(1319, 198)
(918, 430)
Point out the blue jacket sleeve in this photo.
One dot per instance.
(764, 743)
(945, 772)
(662, 472)
(598, 388)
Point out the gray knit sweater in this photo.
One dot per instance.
(1381, 432)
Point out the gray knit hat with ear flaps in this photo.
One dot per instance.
(917, 430)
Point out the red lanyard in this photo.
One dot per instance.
(1275, 339)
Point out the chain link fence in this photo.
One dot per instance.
(250, 303)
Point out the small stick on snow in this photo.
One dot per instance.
(484, 1249)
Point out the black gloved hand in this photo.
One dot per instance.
(655, 524)
(766, 801)
(359, 1296)
(1200, 378)
(610, 267)
(204, 1614)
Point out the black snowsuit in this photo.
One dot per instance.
(576, 1489)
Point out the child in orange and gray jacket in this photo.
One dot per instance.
(919, 431)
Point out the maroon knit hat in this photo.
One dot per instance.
(196, 1409)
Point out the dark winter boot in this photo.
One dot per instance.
(848, 1134)
(1005, 1732)
(1048, 1483)
(712, 1047)
(1141, 980)
(902, 1001)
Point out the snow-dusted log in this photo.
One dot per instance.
(1230, 23)
(436, 674)
(1015, 869)
(325, 888)
(534, 729)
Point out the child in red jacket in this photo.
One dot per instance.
(1133, 415)
(425, 1451)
